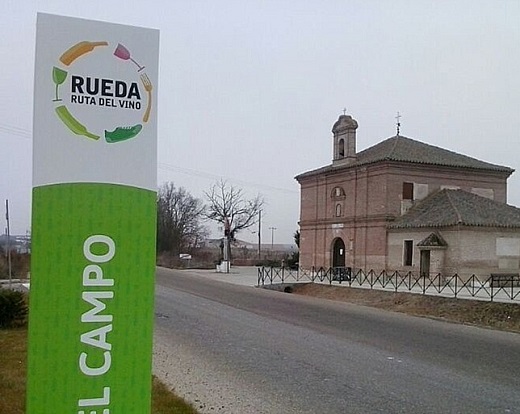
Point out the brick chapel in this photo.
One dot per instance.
(408, 206)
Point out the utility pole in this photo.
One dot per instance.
(259, 234)
(272, 237)
(8, 242)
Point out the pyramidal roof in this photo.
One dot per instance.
(402, 149)
(447, 208)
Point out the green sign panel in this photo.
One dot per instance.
(91, 299)
(94, 213)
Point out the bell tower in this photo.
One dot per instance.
(344, 131)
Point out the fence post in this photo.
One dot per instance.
(456, 280)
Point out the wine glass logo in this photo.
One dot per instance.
(58, 77)
(131, 102)
(123, 53)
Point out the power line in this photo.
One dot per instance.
(212, 176)
(12, 130)
(15, 127)
(25, 133)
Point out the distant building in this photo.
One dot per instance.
(16, 243)
(409, 206)
(242, 244)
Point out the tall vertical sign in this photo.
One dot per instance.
(93, 221)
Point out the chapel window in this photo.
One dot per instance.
(407, 191)
(408, 253)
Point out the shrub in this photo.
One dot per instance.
(20, 263)
(13, 308)
(268, 263)
(292, 260)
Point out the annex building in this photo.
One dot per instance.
(408, 206)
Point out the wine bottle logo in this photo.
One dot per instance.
(133, 96)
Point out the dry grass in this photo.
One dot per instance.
(13, 373)
(13, 368)
(501, 316)
(165, 402)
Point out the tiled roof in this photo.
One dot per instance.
(457, 207)
(402, 149)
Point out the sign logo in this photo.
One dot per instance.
(127, 93)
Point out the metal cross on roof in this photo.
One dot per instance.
(398, 118)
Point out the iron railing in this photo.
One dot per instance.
(497, 287)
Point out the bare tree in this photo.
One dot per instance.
(229, 206)
(179, 220)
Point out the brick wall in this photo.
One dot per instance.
(372, 196)
(471, 251)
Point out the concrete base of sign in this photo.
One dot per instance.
(223, 267)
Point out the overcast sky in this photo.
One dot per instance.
(249, 90)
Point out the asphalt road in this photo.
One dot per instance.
(236, 349)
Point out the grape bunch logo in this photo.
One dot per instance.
(102, 92)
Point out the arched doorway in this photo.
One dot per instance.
(338, 253)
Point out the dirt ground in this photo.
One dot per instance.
(494, 315)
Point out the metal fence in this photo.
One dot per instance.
(498, 287)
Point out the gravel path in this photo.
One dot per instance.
(201, 380)
(207, 384)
